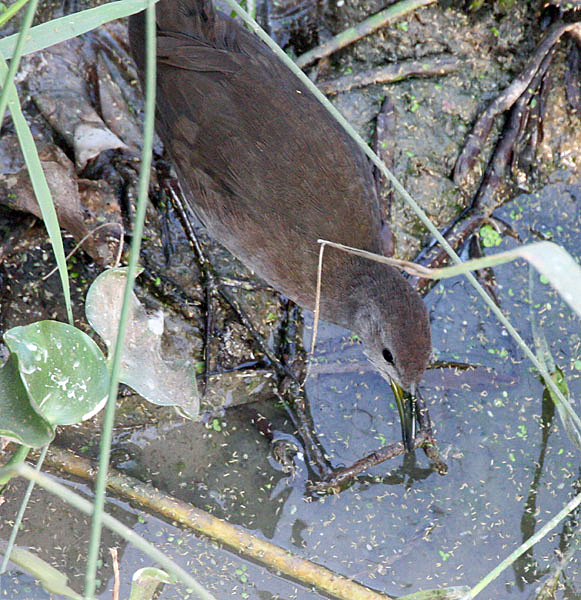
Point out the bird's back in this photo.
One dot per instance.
(268, 169)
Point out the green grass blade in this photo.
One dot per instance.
(83, 505)
(21, 511)
(51, 579)
(15, 62)
(569, 418)
(65, 28)
(143, 189)
(509, 560)
(11, 11)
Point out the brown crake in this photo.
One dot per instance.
(268, 171)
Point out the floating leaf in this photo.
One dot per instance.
(142, 367)
(450, 593)
(146, 581)
(489, 236)
(63, 371)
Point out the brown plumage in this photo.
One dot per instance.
(268, 171)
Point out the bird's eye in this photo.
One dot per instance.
(387, 356)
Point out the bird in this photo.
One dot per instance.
(268, 171)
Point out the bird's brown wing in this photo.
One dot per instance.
(269, 172)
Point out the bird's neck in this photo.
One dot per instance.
(352, 303)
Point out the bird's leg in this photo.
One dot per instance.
(340, 479)
(290, 369)
(214, 287)
(293, 392)
(428, 445)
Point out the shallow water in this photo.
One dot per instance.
(401, 527)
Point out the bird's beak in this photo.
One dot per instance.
(406, 406)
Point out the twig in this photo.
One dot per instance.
(317, 304)
(85, 238)
(366, 27)
(504, 150)
(116, 574)
(404, 265)
(572, 76)
(505, 100)
(427, 67)
(276, 558)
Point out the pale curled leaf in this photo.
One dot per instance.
(143, 368)
(558, 266)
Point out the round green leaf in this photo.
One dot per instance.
(63, 371)
(18, 420)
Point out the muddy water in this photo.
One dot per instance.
(401, 527)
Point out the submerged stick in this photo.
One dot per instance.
(248, 545)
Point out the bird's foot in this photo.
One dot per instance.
(342, 478)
